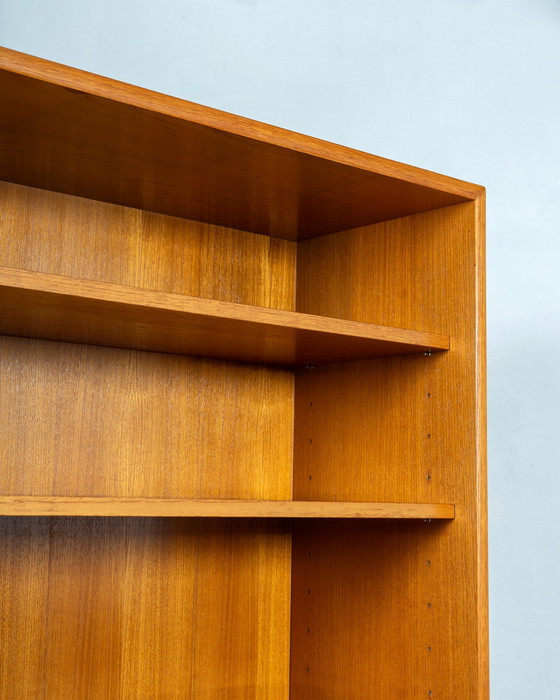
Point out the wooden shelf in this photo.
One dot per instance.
(202, 508)
(39, 305)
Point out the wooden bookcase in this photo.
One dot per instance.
(242, 407)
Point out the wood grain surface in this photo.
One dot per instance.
(206, 508)
(376, 613)
(405, 429)
(138, 608)
(39, 305)
(89, 421)
(119, 203)
(70, 131)
(414, 416)
(58, 234)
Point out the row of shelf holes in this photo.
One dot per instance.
(308, 629)
(429, 436)
(428, 562)
(429, 648)
(309, 478)
(429, 478)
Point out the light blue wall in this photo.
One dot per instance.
(470, 88)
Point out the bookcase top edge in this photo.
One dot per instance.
(302, 159)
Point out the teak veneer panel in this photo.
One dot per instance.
(406, 429)
(420, 412)
(174, 507)
(385, 606)
(59, 308)
(142, 608)
(91, 421)
(70, 236)
(74, 132)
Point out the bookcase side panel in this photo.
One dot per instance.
(144, 607)
(402, 429)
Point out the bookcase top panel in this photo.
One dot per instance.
(70, 131)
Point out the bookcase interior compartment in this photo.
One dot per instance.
(86, 239)
(382, 605)
(396, 415)
(324, 443)
(144, 608)
(124, 423)
(45, 298)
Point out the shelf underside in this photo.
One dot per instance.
(66, 130)
(202, 508)
(53, 307)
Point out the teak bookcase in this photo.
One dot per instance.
(242, 407)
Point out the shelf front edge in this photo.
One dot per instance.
(206, 508)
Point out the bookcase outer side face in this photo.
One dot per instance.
(395, 609)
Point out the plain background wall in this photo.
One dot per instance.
(469, 88)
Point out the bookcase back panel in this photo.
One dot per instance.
(144, 608)
(378, 612)
(65, 235)
(117, 422)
